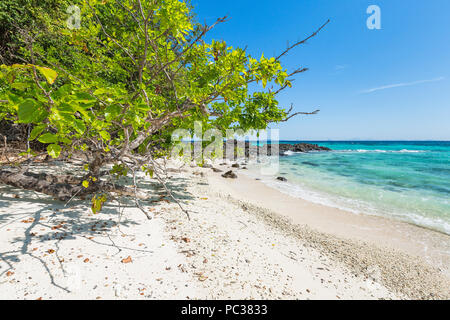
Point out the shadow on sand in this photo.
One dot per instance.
(64, 221)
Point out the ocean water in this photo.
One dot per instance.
(409, 181)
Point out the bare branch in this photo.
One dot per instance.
(302, 41)
(297, 113)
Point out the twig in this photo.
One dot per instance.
(302, 41)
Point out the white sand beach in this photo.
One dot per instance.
(242, 242)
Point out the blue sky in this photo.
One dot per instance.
(387, 84)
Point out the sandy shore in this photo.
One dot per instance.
(239, 244)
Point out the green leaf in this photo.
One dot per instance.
(48, 138)
(79, 126)
(37, 131)
(20, 86)
(31, 111)
(105, 135)
(48, 73)
(112, 111)
(83, 97)
(264, 82)
(97, 203)
(54, 150)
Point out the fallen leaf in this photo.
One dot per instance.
(51, 251)
(202, 278)
(86, 260)
(127, 260)
(9, 273)
(186, 239)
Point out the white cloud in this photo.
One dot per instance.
(404, 84)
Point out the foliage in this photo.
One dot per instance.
(133, 73)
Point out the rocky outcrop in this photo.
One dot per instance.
(301, 147)
(282, 179)
(251, 150)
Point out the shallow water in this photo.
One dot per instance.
(409, 181)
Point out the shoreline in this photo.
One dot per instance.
(326, 202)
(232, 248)
(431, 245)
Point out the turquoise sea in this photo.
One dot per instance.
(409, 181)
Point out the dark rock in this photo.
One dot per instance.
(307, 147)
(235, 165)
(282, 179)
(230, 175)
(216, 170)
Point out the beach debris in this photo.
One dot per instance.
(186, 239)
(235, 165)
(9, 273)
(230, 175)
(282, 179)
(201, 276)
(216, 170)
(127, 260)
(86, 260)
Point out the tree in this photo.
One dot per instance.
(118, 87)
